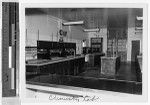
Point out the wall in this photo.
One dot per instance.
(131, 34)
(103, 31)
(49, 27)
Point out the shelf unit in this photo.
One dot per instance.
(97, 45)
(116, 43)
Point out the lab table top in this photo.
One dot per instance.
(41, 62)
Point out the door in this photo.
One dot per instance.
(135, 49)
(10, 47)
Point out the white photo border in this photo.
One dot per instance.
(111, 98)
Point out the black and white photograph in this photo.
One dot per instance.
(85, 47)
(74, 53)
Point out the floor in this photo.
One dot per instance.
(125, 80)
(127, 71)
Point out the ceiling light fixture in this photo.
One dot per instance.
(91, 30)
(73, 23)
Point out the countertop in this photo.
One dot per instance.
(41, 62)
(106, 57)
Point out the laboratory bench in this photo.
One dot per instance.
(70, 65)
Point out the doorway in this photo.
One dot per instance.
(135, 49)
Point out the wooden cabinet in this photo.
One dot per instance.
(95, 59)
(66, 66)
(110, 65)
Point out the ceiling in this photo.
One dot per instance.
(93, 17)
